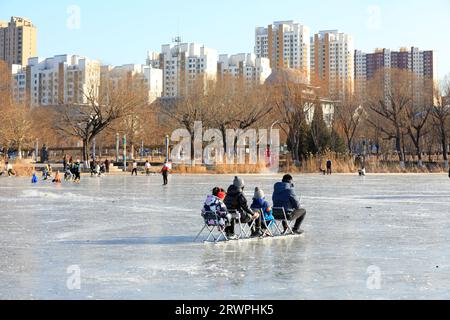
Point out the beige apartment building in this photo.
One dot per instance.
(332, 63)
(18, 41)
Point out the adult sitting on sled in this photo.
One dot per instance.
(284, 197)
(236, 201)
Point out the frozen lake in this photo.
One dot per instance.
(378, 237)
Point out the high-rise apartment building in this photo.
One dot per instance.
(420, 63)
(245, 66)
(62, 79)
(184, 66)
(286, 44)
(18, 41)
(133, 77)
(332, 63)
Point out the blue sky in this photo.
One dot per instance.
(119, 32)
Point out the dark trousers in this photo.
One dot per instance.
(297, 215)
(165, 178)
(329, 171)
(134, 171)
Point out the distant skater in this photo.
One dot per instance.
(107, 164)
(77, 171)
(148, 167)
(165, 173)
(329, 166)
(135, 167)
(9, 169)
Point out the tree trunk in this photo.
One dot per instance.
(85, 151)
(349, 146)
(19, 151)
(444, 146)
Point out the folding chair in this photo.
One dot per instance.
(212, 224)
(269, 225)
(245, 229)
(280, 217)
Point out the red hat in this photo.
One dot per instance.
(221, 195)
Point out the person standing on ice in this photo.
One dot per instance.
(148, 166)
(236, 201)
(135, 168)
(165, 173)
(329, 165)
(284, 197)
(107, 164)
(77, 171)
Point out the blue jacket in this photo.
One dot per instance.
(284, 197)
(261, 204)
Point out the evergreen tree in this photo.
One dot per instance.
(320, 134)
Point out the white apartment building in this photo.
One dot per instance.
(62, 79)
(185, 65)
(332, 63)
(286, 44)
(245, 66)
(134, 76)
(19, 84)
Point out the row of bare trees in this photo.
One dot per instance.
(102, 115)
(395, 109)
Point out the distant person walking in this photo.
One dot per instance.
(107, 164)
(9, 169)
(135, 168)
(329, 167)
(77, 171)
(165, 173)
(148, 167)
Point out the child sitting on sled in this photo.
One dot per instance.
(260, 203)
(214, 203)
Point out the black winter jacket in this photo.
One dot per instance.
(235, 200)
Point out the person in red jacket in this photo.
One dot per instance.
(165, 171)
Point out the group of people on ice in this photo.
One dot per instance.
(234, 200)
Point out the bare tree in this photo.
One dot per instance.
(86, 121)
(349, 116)
(441, 116)
(416, 124)
(16, 129)
(390, 94)
(292, 101)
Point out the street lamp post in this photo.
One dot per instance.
(124, 153)
(167, 148)
(36, 150)
(93, 149)
(269, 147)
(117, 146)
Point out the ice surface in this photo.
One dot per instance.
(133, 239)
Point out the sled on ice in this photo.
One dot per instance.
(215, 230)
